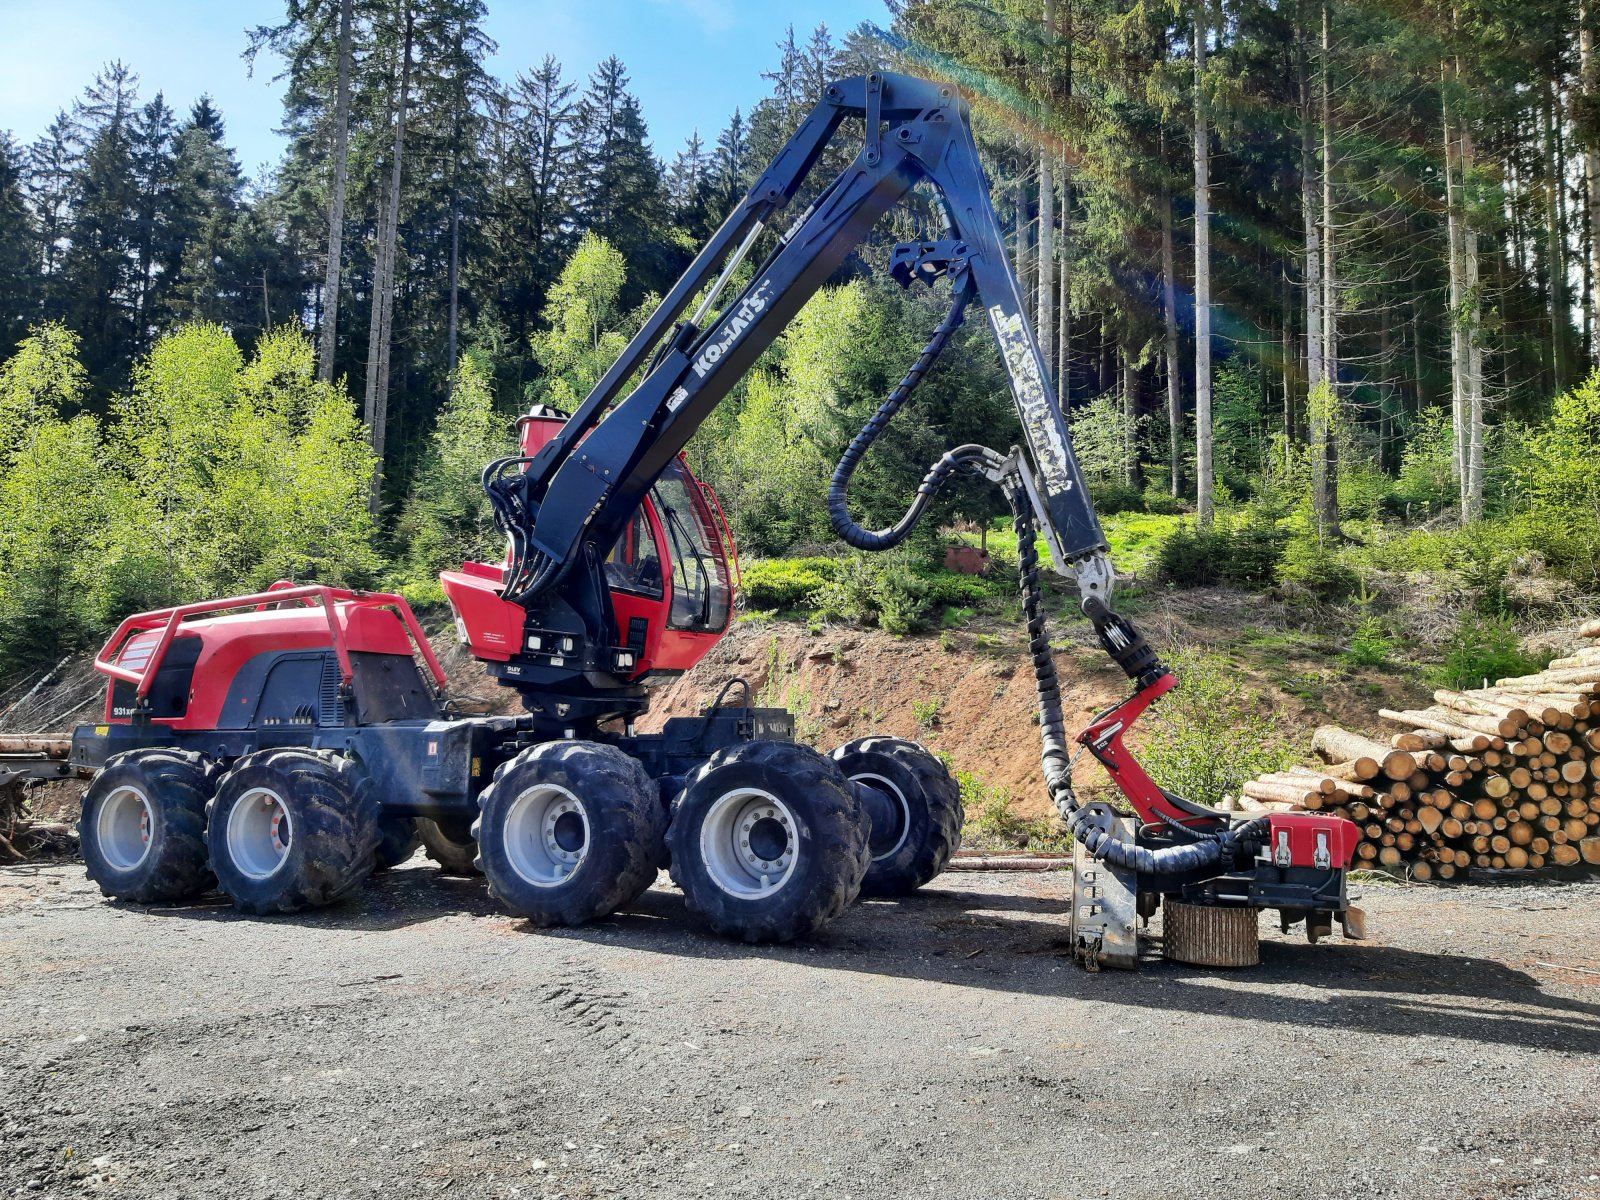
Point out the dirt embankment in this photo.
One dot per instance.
(967, 692)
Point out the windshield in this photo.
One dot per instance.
(701, 594)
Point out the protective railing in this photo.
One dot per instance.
(280, 594)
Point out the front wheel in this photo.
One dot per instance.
(569, 832)
(915, 807)
(768, 842)
(143, 829)
(291, 830)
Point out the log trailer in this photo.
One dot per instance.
(285, 744)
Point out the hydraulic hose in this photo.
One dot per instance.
(949, 463)
(1090, 827)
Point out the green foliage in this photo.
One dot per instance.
(583, 338)
(1313, 568)
(1245, 552)
(1559, 475)
(1162, 503)
(993, 822)
(927, 712)
(1485, 649)
(218, 475)
(884, 589)
(1112, 498)
(1369, 647)
(1426, 482)
(1101, 434)
(448, 520)
(1209, 734)
(784, 583)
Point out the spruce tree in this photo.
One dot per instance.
(19, 256)
(622, 198)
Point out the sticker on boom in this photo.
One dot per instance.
(753, 304)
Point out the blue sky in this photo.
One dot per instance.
(692, 61)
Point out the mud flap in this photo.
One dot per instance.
(1104, 909)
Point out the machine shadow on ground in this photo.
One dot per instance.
(999, 941)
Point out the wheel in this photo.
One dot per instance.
(569, 831)
(143, 829)
(291, 830)
(450, 844)
(768, 841)
(916, 811)
(397, 841)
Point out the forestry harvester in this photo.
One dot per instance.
(288, 743)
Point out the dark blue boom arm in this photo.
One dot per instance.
(584, 486)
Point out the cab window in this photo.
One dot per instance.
(634, 564)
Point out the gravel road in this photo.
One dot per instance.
(414, 1041)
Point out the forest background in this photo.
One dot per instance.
(1318, 279)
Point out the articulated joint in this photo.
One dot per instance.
(1125, 644)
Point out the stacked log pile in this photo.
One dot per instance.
(1499, 777)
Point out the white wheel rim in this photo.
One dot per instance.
(260, 832)
(749, 842)
(888, 787)
(546, 835)
(124, 827)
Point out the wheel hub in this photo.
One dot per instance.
(546, 835)
(124, 828)
(886, 804)
(260, 832)
(749, 843)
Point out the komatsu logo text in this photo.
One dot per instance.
(753, 304)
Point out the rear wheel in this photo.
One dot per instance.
(569, 832)
(915, 807)
(397, 841)
(768, 842)
(291, 830)
(143, 829)
(450, 844)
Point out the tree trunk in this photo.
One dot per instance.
(1130, 419)
(1064, 302)
(1472, 336)
(1169, 307)
(1589, 72)
(1555, 240)
(1316, 407)
(1325, 458)
(1045, 315)
(1023, 260)
(1202, 274)
(452, 335)
(329, 340)
(1458, 391)
(379, 341)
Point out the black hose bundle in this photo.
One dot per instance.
(1090, 826)
(952, 461)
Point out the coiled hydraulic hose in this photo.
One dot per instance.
(938, 475)
(1090, 827)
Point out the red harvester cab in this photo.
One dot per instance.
(670, 569)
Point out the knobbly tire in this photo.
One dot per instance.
(397, 841)
(569, 831)
(450, 844)
(291, 830)
(768, 841)
(143, 828)
(923, 803)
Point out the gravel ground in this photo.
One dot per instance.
(415, 1041)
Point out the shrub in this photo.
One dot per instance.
(1246, 554)
(1162, 503)
(1116, 498)
(882, 589)
(1369, 647)
(1485, 649)
(786, 582)
(1209, 735)
(993, 822)
(1311, 566)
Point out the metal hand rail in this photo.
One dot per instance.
(167, 620)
